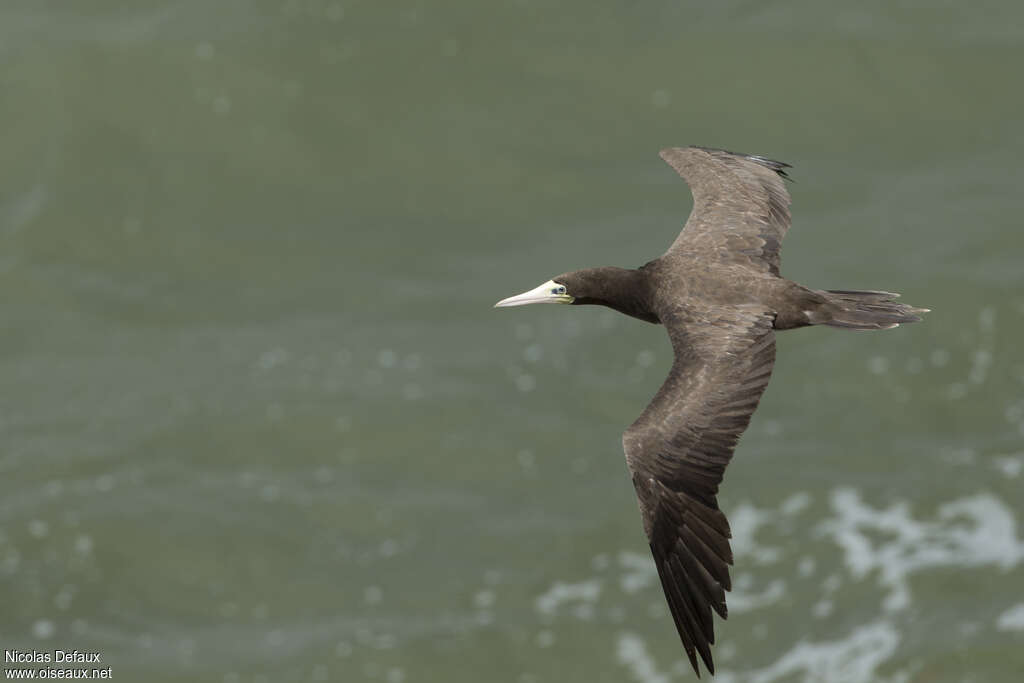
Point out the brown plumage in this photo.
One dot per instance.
(719, 294)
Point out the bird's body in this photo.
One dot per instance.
(719, 294)
(660, 287)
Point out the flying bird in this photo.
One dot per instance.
(719, 294)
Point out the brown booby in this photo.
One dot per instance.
(719, 294)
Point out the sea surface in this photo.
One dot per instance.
(260, 423)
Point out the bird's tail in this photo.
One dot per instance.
(867, 310)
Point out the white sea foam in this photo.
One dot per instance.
(1010, 466)
(1012, 619)
(796, 503)
(745, 521)
(888, 544)
(638, 573)
(970, 532)
(631, 652)
(853, 659)
(560, 593)
(744, 600)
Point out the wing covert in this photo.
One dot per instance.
(740, 207)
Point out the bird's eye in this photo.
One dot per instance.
(558, 290)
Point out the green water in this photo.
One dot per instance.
(260, 422)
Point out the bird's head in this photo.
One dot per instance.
(555, 291)
(574, 287)
(621, 289)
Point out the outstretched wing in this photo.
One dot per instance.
(740, 207)
(677, 451)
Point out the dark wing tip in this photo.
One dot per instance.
(778, 166)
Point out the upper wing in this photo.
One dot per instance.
(677, 451)
(740, 206)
